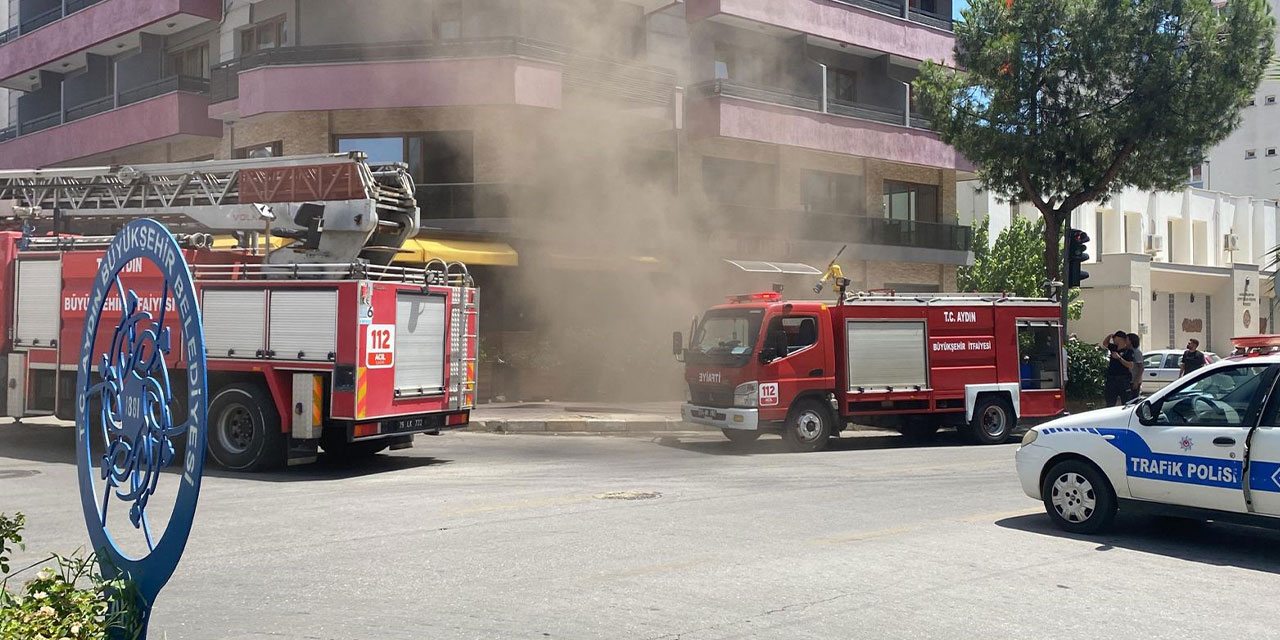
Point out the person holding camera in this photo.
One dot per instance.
(1119, 383)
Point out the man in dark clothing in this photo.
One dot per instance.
(1119, 382)
(1135, 341)
(1192, 358)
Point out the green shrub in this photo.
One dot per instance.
(1086, 370)
(71, 600)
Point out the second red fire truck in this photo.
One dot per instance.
(806, 369)
(313, 339)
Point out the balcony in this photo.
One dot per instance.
(58, 40)
(510, 70)
(877, 25)
(727, 109)
(840, 227)
(165, 109)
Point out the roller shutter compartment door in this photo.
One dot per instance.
(39, 291)
(886, 354)
(235, 322)
(304, 324)
(419, 344)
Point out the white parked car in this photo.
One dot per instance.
(1160, 367)
(1207, 446)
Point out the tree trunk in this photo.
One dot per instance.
(1052, 238)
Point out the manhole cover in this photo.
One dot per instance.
(628, 495)
(12, 474)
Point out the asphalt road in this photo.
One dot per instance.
(505, 536)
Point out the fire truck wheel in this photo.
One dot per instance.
(740, 437)
(808, 427)
(992, 421)
(244, 429)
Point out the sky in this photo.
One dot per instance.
(957, 6)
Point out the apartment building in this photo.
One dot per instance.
(1167, 265)
(1247, 163)
(598, 162)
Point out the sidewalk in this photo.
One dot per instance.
(581, 417)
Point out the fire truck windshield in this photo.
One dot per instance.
(726, 337)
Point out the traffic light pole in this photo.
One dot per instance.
(1065, 292)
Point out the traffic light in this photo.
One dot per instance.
(1077, 244)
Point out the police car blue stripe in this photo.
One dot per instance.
(1142, 462)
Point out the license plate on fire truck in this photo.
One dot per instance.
(410, 423)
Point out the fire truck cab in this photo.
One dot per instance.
(806, 369)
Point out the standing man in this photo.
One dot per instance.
(1192, 358)
(1119, 368)
(1138, 366)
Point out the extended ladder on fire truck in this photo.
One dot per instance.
(336, 207)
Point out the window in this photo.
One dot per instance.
(910, 201)
(737, 182)
(1173, 361)
(1040, 355)
(1269, 100)
(725, 61)
(1219, 398)
(264, 35)
(1271, 152)
(448, 23)
(788, 335)
(1152, 361)
(193, 62)
(1250, 154)
(434, 157)
(268, 150)
(833, 193)
(1197, 176)
(842, 85)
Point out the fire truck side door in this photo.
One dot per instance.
(799, 366)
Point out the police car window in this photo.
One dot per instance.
(1220, 398)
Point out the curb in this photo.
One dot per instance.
(581, 426)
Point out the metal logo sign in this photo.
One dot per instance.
(130, 419)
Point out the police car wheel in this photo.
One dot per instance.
(740, 437)
(244, 429)
(808, 427)
(1078, 498)
(992, 421)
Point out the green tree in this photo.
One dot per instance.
(1013, 264)
(1064, 102)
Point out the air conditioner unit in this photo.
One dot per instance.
(1155, 244)
(1231, 242)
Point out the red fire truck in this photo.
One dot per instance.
(806, 369)
(313, 339)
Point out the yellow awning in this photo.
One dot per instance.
(470, 252)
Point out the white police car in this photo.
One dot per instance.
(1206, 446)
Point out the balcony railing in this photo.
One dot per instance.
(842, 227)
(611, 77)
(889, 7)
(8, 133)
(27, 25)
(860, 110)
(106, 103)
